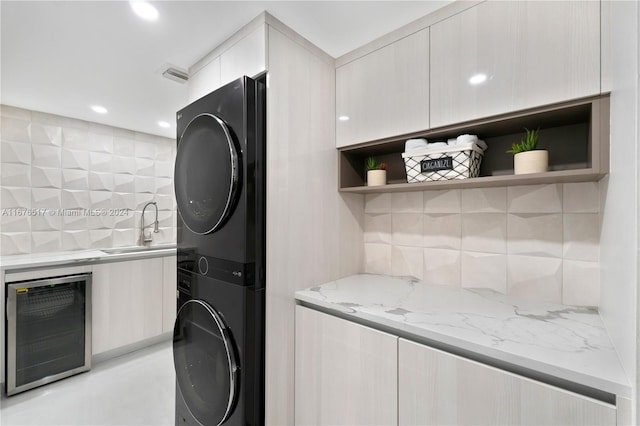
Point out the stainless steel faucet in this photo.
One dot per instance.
(144, 239)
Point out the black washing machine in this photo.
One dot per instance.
(219, 181)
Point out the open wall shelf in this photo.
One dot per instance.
(575, 133)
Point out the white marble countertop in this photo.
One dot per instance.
(79, 257)
(565, 342)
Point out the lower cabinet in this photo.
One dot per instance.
(169, 292)
(437, 388)
(345, 374)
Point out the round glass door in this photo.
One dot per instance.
(205, 362)
(206, 174)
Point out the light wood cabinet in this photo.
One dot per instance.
(385, 92)
(532, 53)
(345, 373)
(246, 57)
(127, 303)
(437, 388)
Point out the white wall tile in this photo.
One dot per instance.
(49, 221)
(125, 165)
(73, 199)
(74, 123)
(48, 241)
(124, 200)
(145, 149)
(580, 283)
(144, 198)
(100, 162)
(534, 234)
(407, 262)
(164, 149)
(582, 236)
(377, 258)
(535, 199)
(124, 183)
(97, 129)
(76, 139)
(74, 223)
(17, 175)
(15, 243)
(535, 278)
(406, 202)
(45, 198)
(128, 221)
(582, 197)
(164, 169)
(442, 267)
(16, 153)
(444, 201)
(46, 119)
(75, 179)
(484, 270)
(100, 238)
(145, 184)
(75, 159)
(75, 240)
(124, 237)
(484, 232)
(144, 167)
(12, 198)
(164, 236)
(406, 229)
(10, 223)
(164, 186)
(101, 181)
(15, 112)
(45, 134)
(442, 230)
(484, 200)
(100, 199)
(167, 219)
(100, 142)
(377, 228)
(124, 146)
(377, 203)
(46, 156)
(15, 129)
(46, 177)
(100, 222)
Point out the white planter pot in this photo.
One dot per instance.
(376, 177)
(535, 161)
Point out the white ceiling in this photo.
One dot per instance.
(61, 57)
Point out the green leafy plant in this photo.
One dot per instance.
(529, 142)
(372, 164)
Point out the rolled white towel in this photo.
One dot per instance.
(467, 138)
(482, 144)
(453, 141)
(415, 144)
(437, 145)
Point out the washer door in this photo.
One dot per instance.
(205, 362)
(206, 174)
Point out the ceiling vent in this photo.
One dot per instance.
(176, 75)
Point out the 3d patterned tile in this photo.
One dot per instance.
(377, 203)
(45, 198)
(73, 199)
(167, 219)
(125, 221)
(145, 150)
(124, 200)
(484, 232)
(74, 138)
(165, 202)
(11, 223)
(73, 222)
(377, 228)
(406, 229)
(100, 238)
(75, 240)
(100, 162)
(45, 241)
(100, 222)
(145, 167)
(45, 134)
(164, 186)
(75, 179)
(377, 258)
(97, 129)
(164, 149)
(46, 156)
(15, 243)
(14, 130)
(124, 237)
(145, 184)
(442, 267)
(124, 183)
(484, 200)
(124, 146)
(101, 181)
(100, 142)
(46, 177)
(125, 165)
(406, 202)
(534, 234)
(164, 169)
(15, 112)
(582, 236)
(144, 198)
(442, 231)
(445, 201)
(535, 199)
(47, 119)
(16, 153)
(75, 159)
(484, 270)
(582, 197)
(164, 236)
(100, 199)
(580, 283)
(18, 175)
(46, 222)
(15, 198)
(74, 123)
(407, 262)
(535, 278)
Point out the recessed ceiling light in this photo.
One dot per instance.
(144, 10)
(164, 124)
(343, 118)
(478, 78)
(99, 109)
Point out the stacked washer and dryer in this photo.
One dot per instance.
(218, 339)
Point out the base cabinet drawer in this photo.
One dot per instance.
(437, 388)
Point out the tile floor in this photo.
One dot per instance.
(134, 389)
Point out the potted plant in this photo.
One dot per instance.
(376, 172)
(526, 158)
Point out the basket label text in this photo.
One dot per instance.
(434, 165)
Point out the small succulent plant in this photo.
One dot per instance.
(373, 164)
(529, 142)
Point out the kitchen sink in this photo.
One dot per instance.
(134, 249)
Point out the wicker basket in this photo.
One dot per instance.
(453, 162)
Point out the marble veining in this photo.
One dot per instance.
(567, 342)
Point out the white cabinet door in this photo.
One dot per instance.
(169, 289)
(246, 57)
(127, 303)
(385, 93)
(437, 388)
(346, 374)
(205, 81)
(532, 53)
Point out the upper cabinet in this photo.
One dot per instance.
(384, 93)
(531, 53)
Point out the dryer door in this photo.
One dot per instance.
(204, 358)
(206, 174)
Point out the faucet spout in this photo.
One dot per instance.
(143, 238)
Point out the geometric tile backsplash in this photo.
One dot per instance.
(69, 184)
(539, 242)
